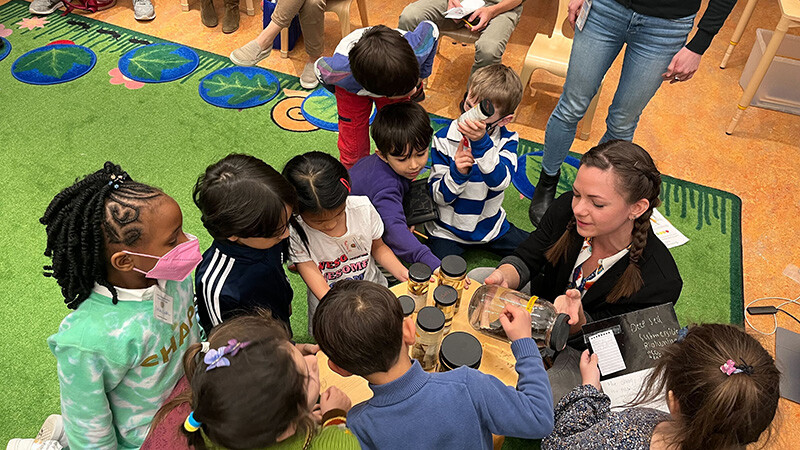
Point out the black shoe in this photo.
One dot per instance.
(419, 95)
(543, 196)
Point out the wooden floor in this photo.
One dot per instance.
(683, 128)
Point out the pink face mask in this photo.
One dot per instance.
(177, 263)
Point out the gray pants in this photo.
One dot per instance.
(490, 45)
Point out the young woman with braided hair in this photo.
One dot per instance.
(123, 262)
(594, 252)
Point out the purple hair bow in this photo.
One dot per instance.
(216, 357)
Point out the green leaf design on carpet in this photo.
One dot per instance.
(240, 87)
(54, 62)
(323, 107)
(148, 62)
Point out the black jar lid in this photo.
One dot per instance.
(430, 319)
(420, 272)
(445, 295)
(461, 349)
(560, 332)
(408, 305)
(454, 266)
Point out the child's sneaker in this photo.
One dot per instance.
(249, 54)
(44, 7)
(143, 10)
(53, 430)
(308, 79)
(32, 444)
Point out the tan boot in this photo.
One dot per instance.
(230, 21)
(207, 13)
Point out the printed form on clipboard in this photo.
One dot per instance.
(467, 7)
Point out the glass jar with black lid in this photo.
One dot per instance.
(430, 322)
(459, 349)
(419, 278)
(408, 305)
(453, 272)
(445, 298)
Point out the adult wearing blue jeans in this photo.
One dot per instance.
(654, 33)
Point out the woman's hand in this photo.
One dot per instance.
(590, 374)
(570, 304)
(505, 275)
(574, 9)
(334, 398)
(683, 66)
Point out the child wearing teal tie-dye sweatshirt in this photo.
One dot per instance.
(123, 262)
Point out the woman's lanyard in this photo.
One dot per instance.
(586, 282)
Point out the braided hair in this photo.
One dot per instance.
(102, 207)
(637, 178)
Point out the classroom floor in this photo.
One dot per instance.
(683, 127)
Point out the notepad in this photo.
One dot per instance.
(609, 358)
(467, 7)
(623, 389)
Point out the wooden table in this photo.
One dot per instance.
(790, 17)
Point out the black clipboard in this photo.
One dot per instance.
(639, 335)
(418, 206)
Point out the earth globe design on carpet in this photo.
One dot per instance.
(522, 178)
(319, 108)
(5, 49)
(239, 87)
(159, 63)
(53, 64)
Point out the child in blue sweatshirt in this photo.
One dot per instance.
(360, 326)
(472, 166)
(402, 133)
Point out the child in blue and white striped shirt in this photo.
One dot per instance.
(472, 165)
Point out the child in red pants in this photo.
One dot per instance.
(376, 64)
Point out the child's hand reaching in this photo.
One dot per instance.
(472, 130)
(307, 349)
(516, 322)
(334, 398)
(463, 159)
(590, 374)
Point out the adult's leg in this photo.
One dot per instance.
(282, 16)
(445, 247)
(565, 373)
(354, 111)
(651, 44)
(416, 12)
(492, 42)
(312, 22)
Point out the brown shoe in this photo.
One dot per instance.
(249, 54)
(230, 21)
(207, 13)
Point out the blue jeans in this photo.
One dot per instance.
(651, 42)
(501, 246)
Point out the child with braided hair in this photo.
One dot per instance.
(122, 261)
(722, 391)
(597, 241)
(250, 387)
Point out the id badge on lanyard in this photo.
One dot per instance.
(162, 306)
(353, 248)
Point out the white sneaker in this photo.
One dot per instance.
(143, 10)
(308, 79)
(44, 7)
(53, 430)
(32, 444)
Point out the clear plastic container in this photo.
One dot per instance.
(430, 323)
(408, 305)
(548, 327)
(459, 349)
(445, 298)
(481, 111)
(419, 278)
(453, 272)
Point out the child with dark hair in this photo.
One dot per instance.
(245, 206)
(379, 65)
(360, 326)
(249, 387)
(123, 263)
(473, 162)
(722, 391)
(402, 133)
(334, 236)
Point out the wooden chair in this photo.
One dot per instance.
(551, 53)
(342, 10)
(249, 3)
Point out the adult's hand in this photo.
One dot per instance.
(505, 275)
(683, 66)
(574, 9)
(570, 304)
(454, 4)
(485, 15)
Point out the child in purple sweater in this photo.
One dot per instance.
(402, 133)
(360, 326)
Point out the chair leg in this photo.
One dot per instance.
(362, 9)
(586, 127)
(184, 5)
(344, 20)
(737, 34)
(250, 10)
(527, 72)
(285, 43)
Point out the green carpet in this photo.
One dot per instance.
(165, 135)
